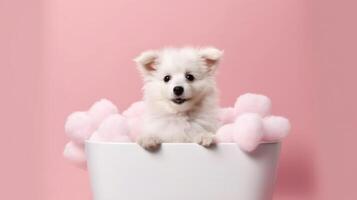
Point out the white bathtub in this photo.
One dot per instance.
(181, 172)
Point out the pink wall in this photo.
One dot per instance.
(60, 56)
(21, 72)
(333, 31)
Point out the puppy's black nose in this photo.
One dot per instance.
(178, 90)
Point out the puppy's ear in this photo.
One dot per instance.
(147, 62)
(211, 57)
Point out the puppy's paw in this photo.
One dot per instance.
(151, 143)
(205, 140)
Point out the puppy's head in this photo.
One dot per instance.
(176, 80)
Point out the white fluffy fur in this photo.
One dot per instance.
(195, 120)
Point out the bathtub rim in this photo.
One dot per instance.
(179, 143)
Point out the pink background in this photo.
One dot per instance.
(58, 56)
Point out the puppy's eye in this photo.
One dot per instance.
(167, 78)
(190, 77)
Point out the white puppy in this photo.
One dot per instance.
(180, 94)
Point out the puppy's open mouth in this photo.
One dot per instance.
(179, 100)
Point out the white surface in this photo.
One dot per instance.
(181, 172)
